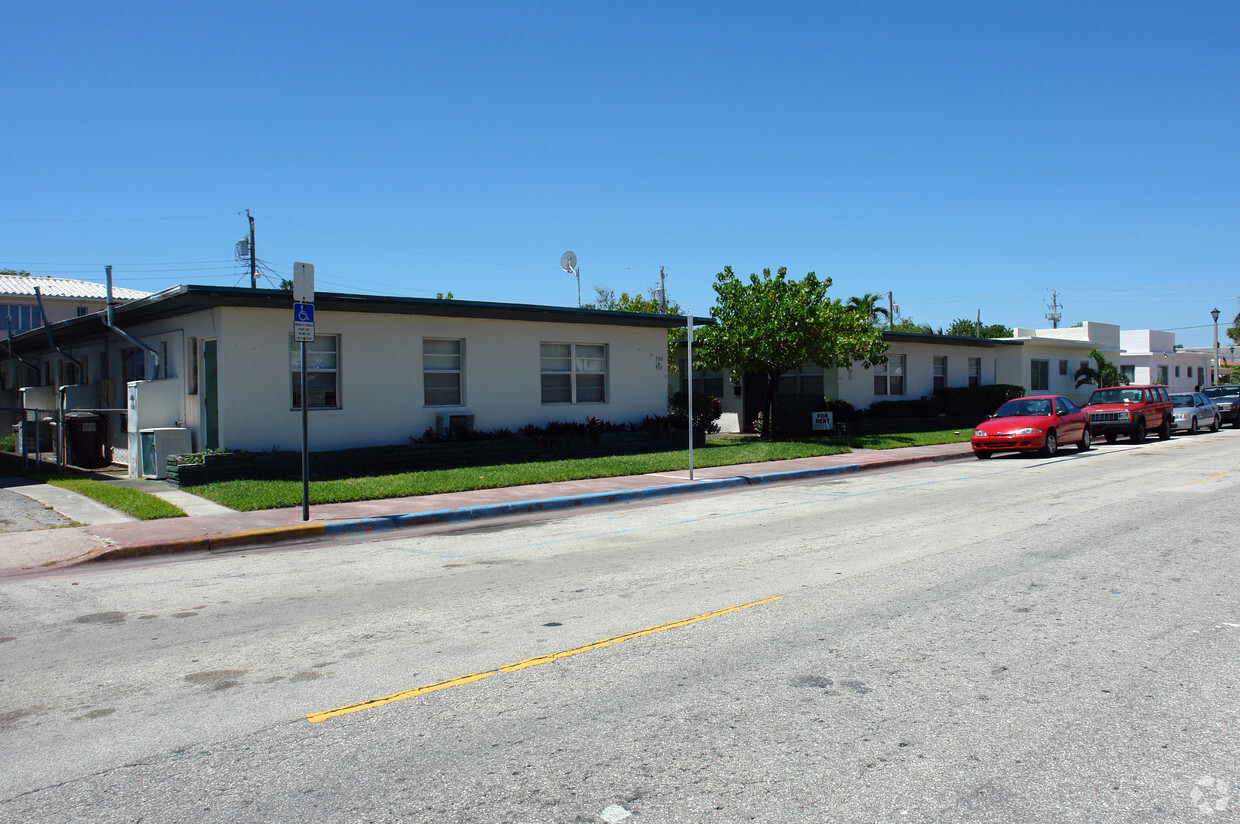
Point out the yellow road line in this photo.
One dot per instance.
(529, 662)
(1212, 477)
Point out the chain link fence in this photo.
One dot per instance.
(81, 438)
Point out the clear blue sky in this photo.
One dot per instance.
(964, 156)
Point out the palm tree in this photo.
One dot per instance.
(868, 305)
(1102, 374)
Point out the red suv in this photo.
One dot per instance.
(1132, 411)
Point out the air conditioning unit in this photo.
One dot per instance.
(157, 445)
(446, 423)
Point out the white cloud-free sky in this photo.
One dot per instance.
(965, 156)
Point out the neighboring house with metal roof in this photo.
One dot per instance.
(63, 298)
(223, 364)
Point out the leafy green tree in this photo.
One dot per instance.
(770, 325)
(1234, 331)
(910, 325)
(13, 273)
(869, 305)
(965, 328)
(606, 300)
(1101, 374)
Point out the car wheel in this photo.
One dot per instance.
(1085, 442)
(1052, 444)
(1111, 437)
(1164, 431)
(981, 456)
(1138, 432)
(1214, 424)
(1192, 427)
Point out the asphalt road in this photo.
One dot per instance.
(20, 514)
(1009, 640)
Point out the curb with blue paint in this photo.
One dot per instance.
(472, 513)
(353, 526)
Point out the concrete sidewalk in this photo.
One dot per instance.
(112, 537)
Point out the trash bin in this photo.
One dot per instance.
(86, 437)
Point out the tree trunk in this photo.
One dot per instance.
(768, 419)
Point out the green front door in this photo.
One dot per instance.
(210, 394)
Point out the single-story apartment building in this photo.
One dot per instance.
(222, 363)
(1040, 360)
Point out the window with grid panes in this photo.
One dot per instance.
(322, 371)
(442, 362)
(889, 376)
(573, 372)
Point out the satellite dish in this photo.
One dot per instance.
(568, 262)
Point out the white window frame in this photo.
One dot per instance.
(889, 376)
(315, 366)
(975, 371)
(438, 364)
(574, 364)
(1044, 366)
(24, 316)
(939, 379)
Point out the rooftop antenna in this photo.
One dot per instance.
(568, 262)
(1054, 315)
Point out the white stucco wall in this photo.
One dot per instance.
(380, 376)
(1014, 366)
(857, 386)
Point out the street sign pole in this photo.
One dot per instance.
(689, 369)
(305, 438)
(303, 330)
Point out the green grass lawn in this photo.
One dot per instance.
(141, 505)
(251, 495)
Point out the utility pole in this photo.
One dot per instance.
(891, 313)
(1054, 315)
(979, 323)
(662, 293)
(253, 258)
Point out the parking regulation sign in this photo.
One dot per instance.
(303, 321)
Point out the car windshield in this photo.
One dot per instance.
(1219, 391)
(1116, 396)
(1182, 400)
(1022, 407)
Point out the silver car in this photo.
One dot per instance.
(1194, 411)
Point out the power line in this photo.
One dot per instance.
(108, 219)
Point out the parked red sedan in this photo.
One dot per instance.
(1037, 423)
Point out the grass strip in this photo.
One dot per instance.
(141, 505)
(248, 495)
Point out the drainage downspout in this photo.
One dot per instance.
(13, 352)
(122, 332)
(50, 340)
(34, 367)
(60, 391)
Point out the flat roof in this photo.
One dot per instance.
(184, 299)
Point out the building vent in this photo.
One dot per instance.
(450, 423)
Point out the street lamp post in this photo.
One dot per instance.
(1214, 377)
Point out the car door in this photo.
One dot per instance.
(1206, 409)
(1071, 420)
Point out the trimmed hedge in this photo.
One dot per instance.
(954, 401)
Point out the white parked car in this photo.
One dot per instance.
(1193, 412)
